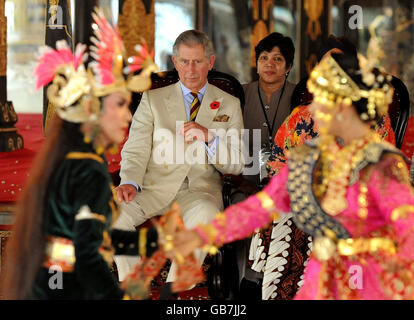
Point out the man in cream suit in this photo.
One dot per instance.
(181, 137)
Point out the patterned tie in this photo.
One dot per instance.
(195, 106)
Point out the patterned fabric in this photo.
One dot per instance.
(199, 292)
(300, 127)
(283, 233)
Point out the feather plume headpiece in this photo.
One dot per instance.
(109, 55)
(74, 91)
(71, 87)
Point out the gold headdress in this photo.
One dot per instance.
(110, 56)
(74, 90)
(331, 85)
(71, 88)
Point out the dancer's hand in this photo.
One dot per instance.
(186, 241)
(170, 223)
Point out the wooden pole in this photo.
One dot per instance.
(315, 15)
(10, 140)
(262, 25)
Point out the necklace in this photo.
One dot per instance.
(336, 167)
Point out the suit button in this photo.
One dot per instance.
(264, 124)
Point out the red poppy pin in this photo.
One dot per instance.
(215, 105)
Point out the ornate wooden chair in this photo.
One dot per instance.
(222, 271)
(398, 111)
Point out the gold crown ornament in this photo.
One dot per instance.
(331, 86)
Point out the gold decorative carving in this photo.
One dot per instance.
(314, 9)
(3, 236)
(255, 7)
(53, 17)
(135, 25)
(265, 9)
(3, 42)
(2, 8)
(259, 32)
(262, 22)
(54, 12)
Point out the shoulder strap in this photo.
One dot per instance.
(84, 155)
(307, 212)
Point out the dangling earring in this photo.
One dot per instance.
(90, 136)
(114, 149)
(87, 138)
(100, 149)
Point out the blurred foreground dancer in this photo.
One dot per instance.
(61, 247)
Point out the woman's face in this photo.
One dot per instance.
(271, 66)
(116, 116)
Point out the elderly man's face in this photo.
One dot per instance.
(193, 66)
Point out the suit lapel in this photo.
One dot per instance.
(206, 114)
(174, 103)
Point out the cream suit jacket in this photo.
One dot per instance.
(156, 157)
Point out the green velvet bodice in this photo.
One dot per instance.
(79, 181)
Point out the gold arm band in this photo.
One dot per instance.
(59, 252)
(267, 204)
(99, 217)
(210, 231)
(401, 212)
(143, 242)
(324, 247)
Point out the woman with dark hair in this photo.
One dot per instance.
(267, 105)
(268, 98)
(332, 44)
(348, 189)
(61, 242)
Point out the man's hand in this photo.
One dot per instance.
(126, 192)
(194, 131)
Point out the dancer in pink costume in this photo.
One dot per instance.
(348, 189)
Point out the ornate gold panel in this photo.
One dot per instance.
(135, 25)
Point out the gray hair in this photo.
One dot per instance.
(191, 38)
